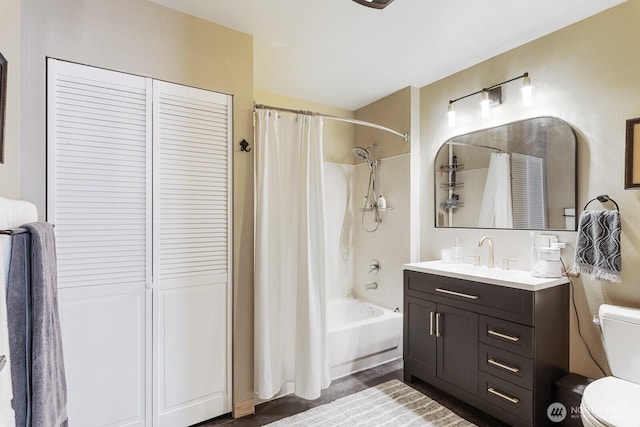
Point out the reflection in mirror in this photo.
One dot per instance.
(521, 175)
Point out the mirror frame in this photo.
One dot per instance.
(575, 189)
(3, 102)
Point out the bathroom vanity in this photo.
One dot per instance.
(496, 339)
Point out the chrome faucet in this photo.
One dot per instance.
(488, 239)
(370, 286)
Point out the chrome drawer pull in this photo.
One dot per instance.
(458, 294)
(503, 366)
(506, 337)
(513, 400)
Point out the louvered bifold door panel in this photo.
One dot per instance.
(99, 174)
(192, 184)
(99, 197)
(192, 243)
(527, 188)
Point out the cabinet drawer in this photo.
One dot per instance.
(506, 335)
(498, 301)
(510, 397)
(506, 365)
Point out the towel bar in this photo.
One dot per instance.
(17, 230)
(14, 231)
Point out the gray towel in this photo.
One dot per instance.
(18, 320)
(598, 245)
(48, 381)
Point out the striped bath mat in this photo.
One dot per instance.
(389, 404)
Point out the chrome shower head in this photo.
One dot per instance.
(362, 153)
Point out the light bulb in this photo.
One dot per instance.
(485, 103)
(527, 90)
(451, 115)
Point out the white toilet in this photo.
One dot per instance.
(615, 401)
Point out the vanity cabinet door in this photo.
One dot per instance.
(457, 353)
(420, 336)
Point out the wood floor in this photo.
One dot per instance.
(289, 405)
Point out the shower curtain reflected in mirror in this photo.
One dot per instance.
(496, 210)
(289, 288)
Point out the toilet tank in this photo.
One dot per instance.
(621, 334)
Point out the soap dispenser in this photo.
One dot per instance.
(456, 253)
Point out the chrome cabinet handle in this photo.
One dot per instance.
(503, 366)
(457, 294)
(503, 336)
(431, 323)
(511, 399)
(437, 325)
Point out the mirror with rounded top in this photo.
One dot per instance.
(520, 175)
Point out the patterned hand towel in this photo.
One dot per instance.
(598, 245)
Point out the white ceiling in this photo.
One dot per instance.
(342, 54)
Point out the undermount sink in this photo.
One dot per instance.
(518, 279)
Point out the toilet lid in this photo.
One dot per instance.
(613, 402)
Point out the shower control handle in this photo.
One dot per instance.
(374, 266)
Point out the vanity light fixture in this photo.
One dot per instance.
(492, 96)
(485, 103)
(527, 90)
(451, 115)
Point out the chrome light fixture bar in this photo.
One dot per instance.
(492, 96)
(376, 4)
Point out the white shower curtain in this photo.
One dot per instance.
(496, 209)
(290, 295)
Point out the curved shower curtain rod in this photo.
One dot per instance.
(404, 136)
(486, 147)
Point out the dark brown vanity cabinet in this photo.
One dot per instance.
(447, 350)
(495, 347)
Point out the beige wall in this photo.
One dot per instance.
(392, 111)
(586, 74)
(10, 49)
(338, 136)
(390, 244)
(143, 38)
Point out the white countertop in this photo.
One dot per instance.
(517, 279)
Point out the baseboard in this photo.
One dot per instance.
(244, 408)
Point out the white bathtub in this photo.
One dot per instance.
(361, 335)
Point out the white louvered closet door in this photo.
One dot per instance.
(139, 188)
(99, 197)
(528, 195)
(192, 247)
